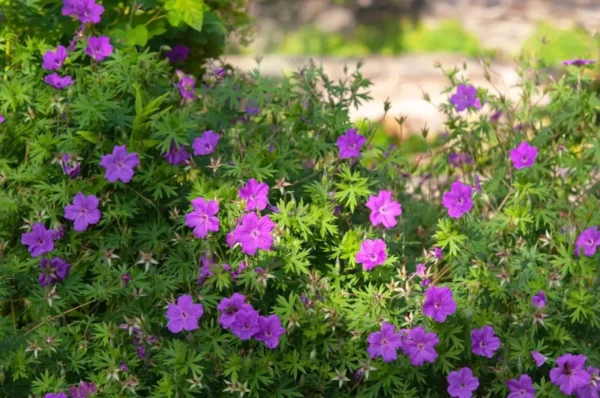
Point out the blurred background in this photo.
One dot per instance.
(401, 40)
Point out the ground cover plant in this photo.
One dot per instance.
(170, 235)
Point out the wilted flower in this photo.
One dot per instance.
(538, 358)
(53, 270)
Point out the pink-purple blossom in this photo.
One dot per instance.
(371, 254)
(539, 300)
(184, 315)
(84, 211)
(460, 159)
(254, 233)
(99, 48)
(269, 331)
(178, 53)
(203, 218)
(461, 384)
(465, 97)
(87, 11)
(579, 62)
(55, 270)
(206, 143)
(384, 209)
(538, 358)
(1, 118)
(350, 144)
(229, 307)
(458, 200)
(187, 87)
(54, 60)
(588, 241)
(83, 390)
(177, 154)
(420, 346)
(523, 156)
(439, 303)
(522, 388)
(119, 165)
(255, 195)
(484, 341)
(58, 82)
(70, 166)
(245, 324)
(55, 395)
(592, 389)
(385, 343)
(40, 240)
(569, 374)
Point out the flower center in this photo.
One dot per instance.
(204, 218)
(184, 315)
(268, 333)
(41, 241)
(120, 165)
(231, 310)
(207, 146)
(437, 306)
(255, 233)
(463, 385)
(384, 341)
(421, 346)
(253, 197)
(524, 159)
(246, 326)
(352, 146)
(383, 209)
(83, 212)
(460, 201)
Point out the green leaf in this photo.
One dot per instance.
(191, 12)
(90, 136)
(137, 36)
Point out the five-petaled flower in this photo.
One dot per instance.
(385, 343)
(420, 346)
(458, 200)
(40, 240)
(84, 211)
(119, 165)
(99, 48)
(184, 314)
(206, 143)
(177, 154)
(523, 156)
(228, 307)
(54, 60)
(465, 97)
(203, 218)
(484, 341)
(269, 330)
(439, 303)
(384, 209)
(350, 143)
(245, 324)
(371, 254)
(254, 233)
(592, 388)
(255, 195)
(588, 241)
(55, 270)
(522, 388)
(570, 374)
(461, 384)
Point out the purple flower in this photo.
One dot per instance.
(539, 300)
(203, 218)
(141, 352)
(439, 303)
(350, 143)
(58, 82)
(538, 358)
(437, 251)
(228, 307)
(371, 254)
(119, 165)
(220, 73)
(254, 233)
(569, 373)
(184, 314)
(126, 278)
(60, 232)
(523, 388)
(178, 53)
(495, 116)
(53, 271)
(523, 156)
(465, 97)
(425, 282)
(255, 195)
(461, 384)
(57, 395)
(269, 330)
(245, 324)
(252, 108)
(99, 47)
(385, 343)
(70, 166)
(421, 270)
(206, 144)
(123, 366)
(187, 87)
(484, 341)
(84, 211)
(1, 118)
(83, 390)
(384, 210)
(54, 60)
(592, 389)
(579, 62)
(420, 346)
(589, 240)
(477, 183)
(458, 200)
(87, 11)
(177, 154)
(230, 239)
(40, 240)
(460, 159)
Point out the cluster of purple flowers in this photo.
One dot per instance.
(54, 60)
(84, 390)
(246, 322)
(416, 343)
(87, 11)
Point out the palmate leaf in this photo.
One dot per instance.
(191, 12)
(446, 236)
